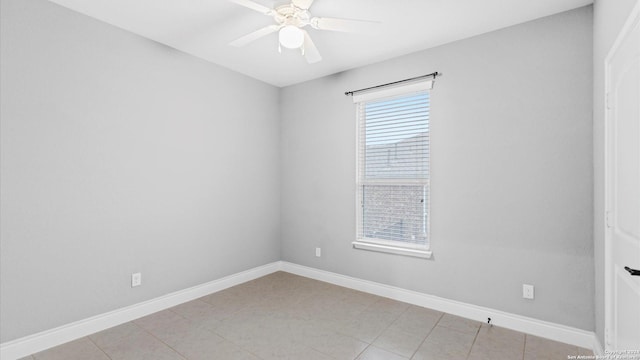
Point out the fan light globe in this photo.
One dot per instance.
(291, 37)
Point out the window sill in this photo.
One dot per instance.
(391, 249)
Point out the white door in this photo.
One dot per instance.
(622, 72)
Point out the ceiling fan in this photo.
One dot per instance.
(290, 22)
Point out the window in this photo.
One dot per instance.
(393, 170)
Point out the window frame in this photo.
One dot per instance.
(380, 245)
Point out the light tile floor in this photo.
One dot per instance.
(283, 316)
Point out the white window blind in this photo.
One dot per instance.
(393, 170)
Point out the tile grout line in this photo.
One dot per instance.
(220, 321)
(474, 341)
(336, 332)
(524, 345)
(425, 338)
(388, 326)
(369, 344)
(98, 347)
(362, 352)
(162, 342)
(238, 345)
(229, 340)
(157, 338)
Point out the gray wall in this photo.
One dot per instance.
(608, 18)
(122, 155)
(511, 171)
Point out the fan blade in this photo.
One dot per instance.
(302, 4)
(344, 25)
(253, 6)
(311, 52)
(255, 35)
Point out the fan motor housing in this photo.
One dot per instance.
(291, 15)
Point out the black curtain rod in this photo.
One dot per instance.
(434, 75)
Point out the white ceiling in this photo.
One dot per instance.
(204, 28)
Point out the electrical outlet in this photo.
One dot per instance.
(318, 252)
(136, 279)
(527, 291)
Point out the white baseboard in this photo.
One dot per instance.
(598, 349)
(31, 344)
(44, 340)
(520, 323)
